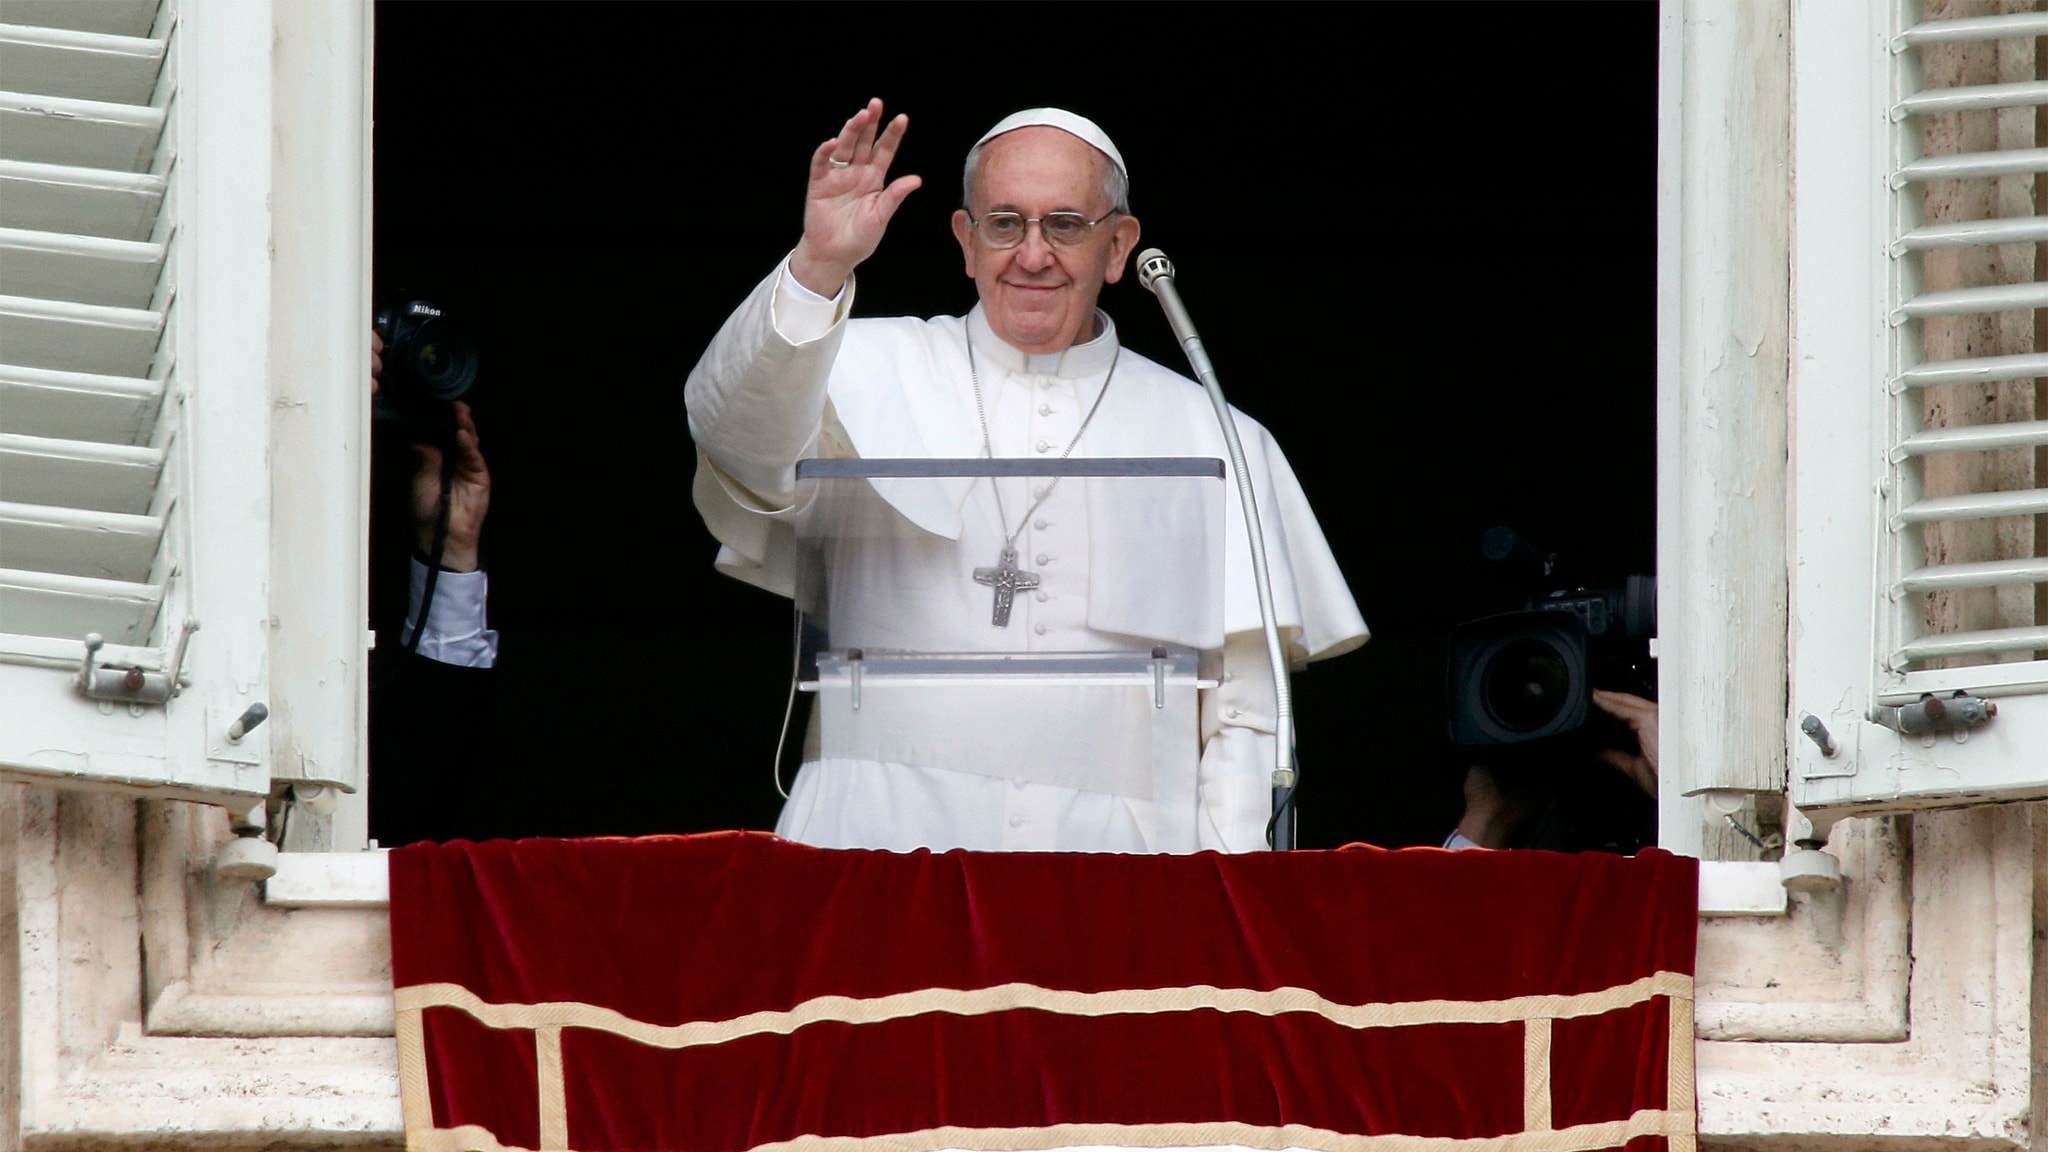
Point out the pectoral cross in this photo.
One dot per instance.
(1008, 580)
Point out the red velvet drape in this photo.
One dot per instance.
(737, 992)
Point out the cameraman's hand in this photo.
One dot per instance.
(1490, 816)
(1641, 717)
(469, 495)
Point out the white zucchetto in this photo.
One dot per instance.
(1073, 125)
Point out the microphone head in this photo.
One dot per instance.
(1152, 264)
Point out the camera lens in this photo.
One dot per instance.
(1525, 685)
(443, 360)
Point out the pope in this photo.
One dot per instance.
(1034, 370)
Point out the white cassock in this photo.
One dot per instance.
(789, 376)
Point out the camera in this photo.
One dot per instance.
(1520, 677)
(429, 363)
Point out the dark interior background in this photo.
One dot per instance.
(1418, 239)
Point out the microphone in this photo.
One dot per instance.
(1155, 272)
(1152, 264)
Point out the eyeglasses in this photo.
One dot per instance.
(1060, 229)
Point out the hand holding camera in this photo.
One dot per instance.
(431, 365)
(1641, 717)
(469, 495)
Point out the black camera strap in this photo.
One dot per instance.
(419, 624)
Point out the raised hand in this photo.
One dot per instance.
(469, 495)
(850, 199)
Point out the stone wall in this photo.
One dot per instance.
(147, 1004)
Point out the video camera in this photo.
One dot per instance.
(429, 363)
(1525, 676)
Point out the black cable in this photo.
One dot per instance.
(1281, 811)
(796, 664)
(1285, 808)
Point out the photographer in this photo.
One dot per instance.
(428, 705)
(1556, 795)
(1553, 733)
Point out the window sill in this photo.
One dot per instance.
(330, 880)
(362, 880)
(1741, 888)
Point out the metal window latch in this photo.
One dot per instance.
(1819, 734)
(1930, 714)
(247, 722)
(133, 685)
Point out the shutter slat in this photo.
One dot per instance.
(74, 337)
(80, 201)
(2004, 230)
(109, 17)
(1971, 98)
(76, 542)
(1973, 28)
(85, 133)
(78, 405)
(1973, 438)
(1963, 301)
(1976, 506)
(78, 474)
(1990, 643)
(1967, 165)
(1983, 574)
(48, 604)
(63, 652)
(1979, 370)
(83, 269)
(80, 65)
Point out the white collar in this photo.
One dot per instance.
(1078, 362)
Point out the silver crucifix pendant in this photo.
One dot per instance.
(1008, 580)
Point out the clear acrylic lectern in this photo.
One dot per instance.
(1040, 620)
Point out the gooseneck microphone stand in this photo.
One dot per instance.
(1155, 272)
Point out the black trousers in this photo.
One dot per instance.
(429, 748)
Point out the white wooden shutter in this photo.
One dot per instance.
(134, 316)
(1914, 363)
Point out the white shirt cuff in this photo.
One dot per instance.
(802, 315)
(1457, 841)
(456, 631)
